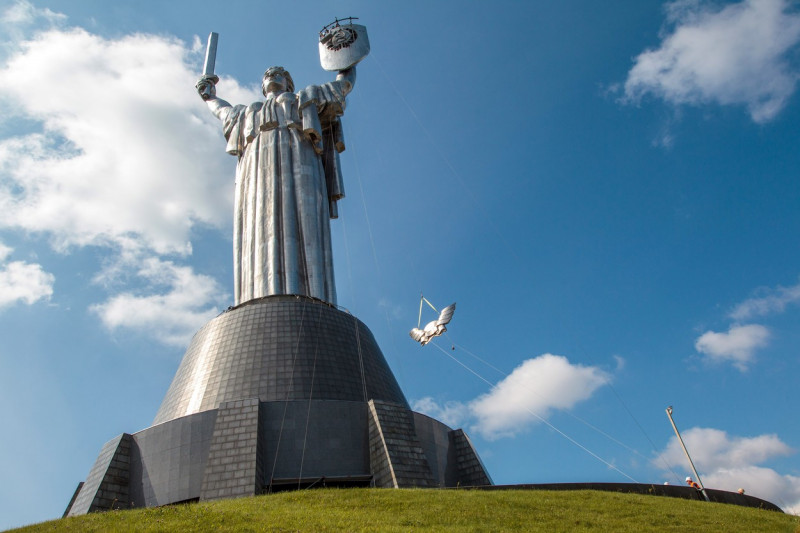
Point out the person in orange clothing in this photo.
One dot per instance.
(692, 483)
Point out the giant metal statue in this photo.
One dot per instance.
(284, 391)
(288, 177)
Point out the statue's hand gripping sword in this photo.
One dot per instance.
(209, 79)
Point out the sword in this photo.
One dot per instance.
(211, 59)
(211, 54)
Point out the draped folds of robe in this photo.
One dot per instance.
(287, 183)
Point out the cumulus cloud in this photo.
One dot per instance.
(714, 449)
(764, 483)
(22, 15)
(125, 148)
(772, 301)
(107, 144)
(737, 346)
(178, 303)
(23, 282)
(534, 389)
(25, 13)
(728, 463)
(453, 414)
(732, 55)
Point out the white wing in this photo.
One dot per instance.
(446, 315)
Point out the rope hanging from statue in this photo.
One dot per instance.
(310, 398)
(286, 400)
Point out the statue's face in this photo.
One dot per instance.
(275, 83)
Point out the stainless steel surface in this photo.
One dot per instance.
(211, 54)
(342, 44)
(434, 328)
(206, 84)
(288, 181)
(280, 348)
(446, 315)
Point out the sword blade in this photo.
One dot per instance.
(211, 54)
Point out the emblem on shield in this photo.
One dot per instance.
(342, 44)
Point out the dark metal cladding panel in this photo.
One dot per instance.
(395, 450)
(107, 485)
(280, 348)
(310, 440)
(434, 437)
(169, 460)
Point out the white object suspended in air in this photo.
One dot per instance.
(434, 328)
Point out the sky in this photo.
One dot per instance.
(607, 190)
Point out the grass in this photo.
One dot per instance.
(357, 510)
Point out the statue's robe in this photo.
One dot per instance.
(287, 183)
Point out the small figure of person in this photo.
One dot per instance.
(740, 491)
(692, 483)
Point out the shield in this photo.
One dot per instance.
(342, 45)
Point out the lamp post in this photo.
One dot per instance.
(680, 439)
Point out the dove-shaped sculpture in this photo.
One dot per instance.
(434, 328)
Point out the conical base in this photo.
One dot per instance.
(278, 392)
(280, 348)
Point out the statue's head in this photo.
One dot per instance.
(277, 79)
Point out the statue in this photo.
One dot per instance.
(288, 180)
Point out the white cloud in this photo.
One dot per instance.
(453, 414)
(765, 483)
(730, 463)
(181, 301)
(537, 386)
(25, 13)
(773, 301)
(713, 449)
(23, 282)
(127, 151)
(116, 150)
(22, 15)
(737, 346)
(734, 55)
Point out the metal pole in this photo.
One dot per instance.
(680, 439)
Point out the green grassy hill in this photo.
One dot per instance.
(437, 510)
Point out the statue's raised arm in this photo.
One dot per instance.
(349, 76)
(206, 88)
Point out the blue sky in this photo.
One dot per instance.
(608, 190)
